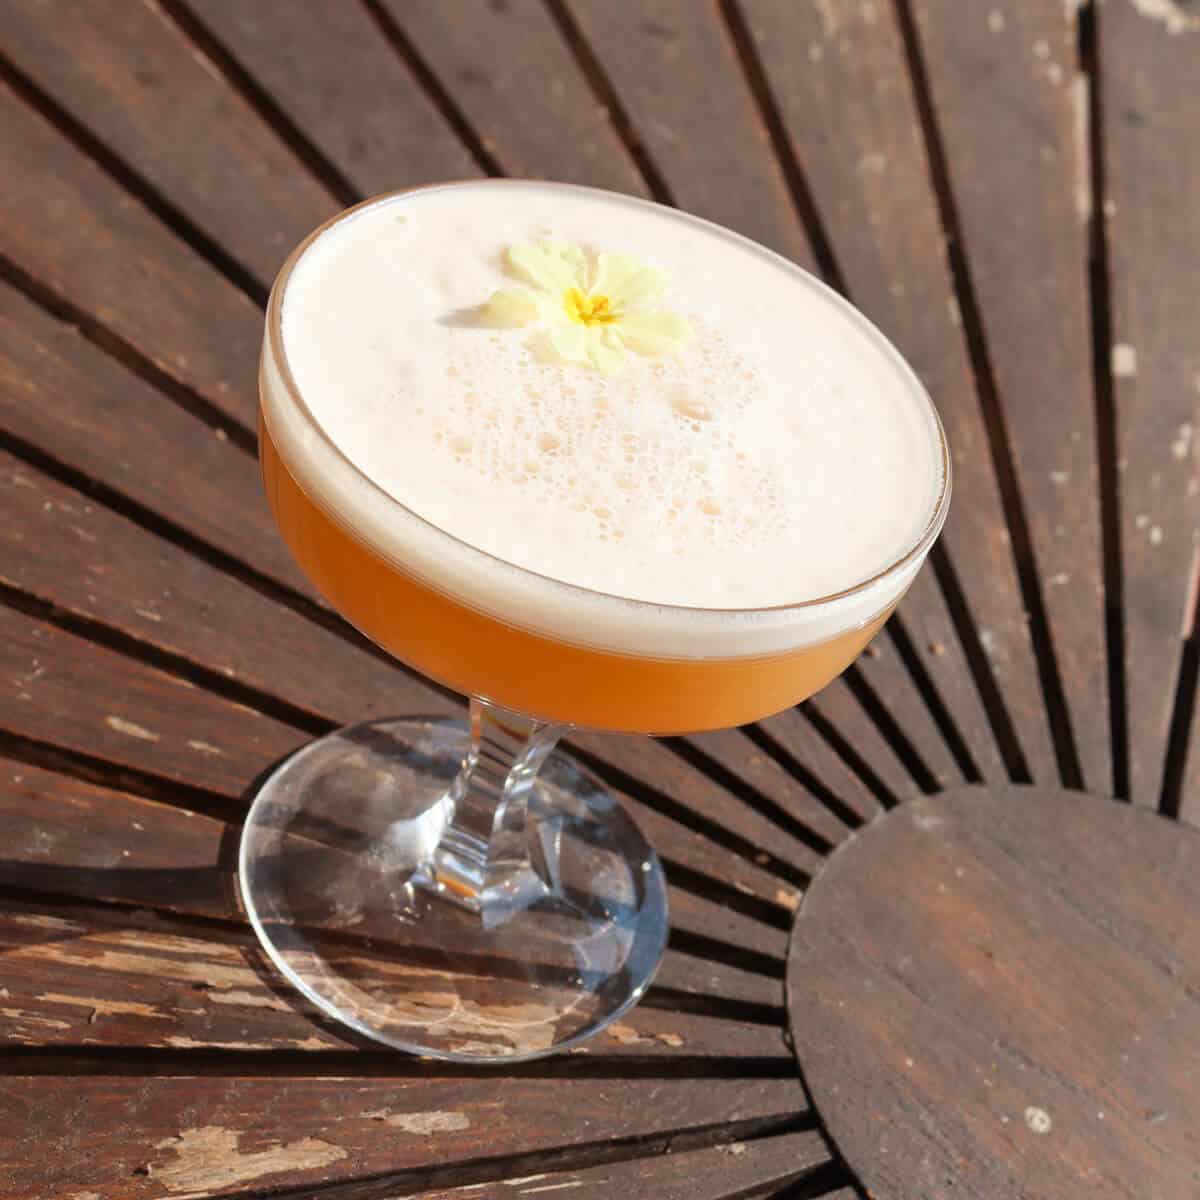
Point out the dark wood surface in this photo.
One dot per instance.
(977, 1017)
(1005, 186)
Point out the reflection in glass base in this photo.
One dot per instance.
(334, 872)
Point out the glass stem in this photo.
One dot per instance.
(486, 860)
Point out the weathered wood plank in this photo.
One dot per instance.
(131, 715)
(851, 117)
(331, 71)
(512, 74)
(128, 75)
(676, 71)
(1012, 112)
(61, 394)
(66, 223)
(746, 1170)
(884, 672)
(79, 976)
(128, 1138)
(1150, 92)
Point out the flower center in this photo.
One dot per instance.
(588, 310)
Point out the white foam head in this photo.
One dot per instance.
(783, 454)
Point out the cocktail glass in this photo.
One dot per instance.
(463, 890)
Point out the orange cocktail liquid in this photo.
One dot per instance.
(543, 677)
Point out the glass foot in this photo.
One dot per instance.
(338, 875)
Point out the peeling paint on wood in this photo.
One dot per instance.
(206, 1160)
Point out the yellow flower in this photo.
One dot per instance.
(592, 315)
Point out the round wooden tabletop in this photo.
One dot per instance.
(994, 993)
(1005, 186)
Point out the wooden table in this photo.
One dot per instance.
(1009, 189)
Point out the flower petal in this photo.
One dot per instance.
(511, 307)
(627, 281)
(654, 333)
(571, 254)
(551, 266)
(605, 351)
(570, 341)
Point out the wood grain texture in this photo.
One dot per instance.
(127, 73)
(837, 705)
(65, 222)
(79, 976)
(70, 692)
(790, 738)
(747, 1170)
(781, 796)
(82, 408)
(850, 114)
(188, 1137)
(1012, 113)
(677, 73)
(1150, 92)
(334, 75)
(512, 73)
(963, 994)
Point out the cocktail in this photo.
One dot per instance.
(591, 462)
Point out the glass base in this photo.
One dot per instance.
(338, 876)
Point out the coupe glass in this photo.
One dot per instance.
(461, 889)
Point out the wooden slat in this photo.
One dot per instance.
(70, 692)
(65, 222)
(935, 644)
(127, 73)
(801, 748)
(885, 674)
(333, 74)
(509, 70)
(1150, 95)
(92, 977)
(736, 755)
(189, 1137)
(61, 394)
(851, 118)
(675, 68)
(652, 762)
(838, 705)
(746, 1170)
(1013, 118)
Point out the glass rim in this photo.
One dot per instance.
(275, 342)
